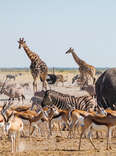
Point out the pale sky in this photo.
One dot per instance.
(50, 27)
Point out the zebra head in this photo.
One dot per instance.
(46, 99)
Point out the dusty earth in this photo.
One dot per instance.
(58, 144)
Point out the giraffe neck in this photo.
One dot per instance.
(78, 60)
(32, 56)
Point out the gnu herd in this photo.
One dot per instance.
(95, 111)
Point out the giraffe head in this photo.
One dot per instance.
(69, 51)
(21, 42)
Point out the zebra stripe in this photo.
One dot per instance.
(68, 102)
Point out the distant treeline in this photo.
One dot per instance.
(53, 69)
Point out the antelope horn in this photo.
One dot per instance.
(5, 106)
(3, 116)
(3, 85)
(3, 111)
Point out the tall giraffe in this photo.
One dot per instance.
(37, 67)
(84, 68)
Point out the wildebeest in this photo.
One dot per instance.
(106, 89)
(11, 76)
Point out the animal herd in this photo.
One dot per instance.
(86, 113)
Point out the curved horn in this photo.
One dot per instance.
(3, 85)
(3, 111)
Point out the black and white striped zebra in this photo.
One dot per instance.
(68, 102)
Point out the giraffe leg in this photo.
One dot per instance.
(44, 83)
(35, 85)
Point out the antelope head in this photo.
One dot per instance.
(55, 110)
(52, 110)
(69, 51)
(4, 109)
(21, 42)
(8, 122)
(100, 110)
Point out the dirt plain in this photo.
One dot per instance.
(58, 144)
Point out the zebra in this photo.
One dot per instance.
(68, 102)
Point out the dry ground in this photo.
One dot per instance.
(58, 144)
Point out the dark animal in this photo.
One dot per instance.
(76, 77)
(106, 89)
(51, 78)
(11, 76)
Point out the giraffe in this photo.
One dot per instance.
(84, 68)
(37, 67)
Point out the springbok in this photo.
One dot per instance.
(98, 121)
(13, 125)
(33, 118)
(52, 112)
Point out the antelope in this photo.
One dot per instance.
(60, 78)
(26, 114)
(33, 117)
(55, 113)
(12, 92)
(76, 118)
(13, 126)
(106, 122)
